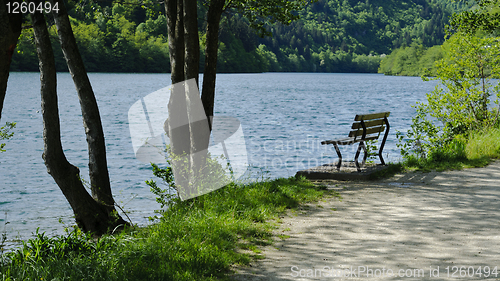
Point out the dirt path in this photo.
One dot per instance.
(408, 225)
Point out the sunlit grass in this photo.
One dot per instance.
(484, 145)
(192, 240)
(477, 150)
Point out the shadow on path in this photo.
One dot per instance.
(409, 224)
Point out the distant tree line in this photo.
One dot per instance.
(331, 36)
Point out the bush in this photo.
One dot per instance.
(460, 105)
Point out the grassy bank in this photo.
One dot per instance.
(192, 240)
(476, 150)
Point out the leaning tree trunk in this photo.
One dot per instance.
(212, 45)
(10, 29)
(90, 215)
(98, 168)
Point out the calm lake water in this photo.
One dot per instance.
(284, 118)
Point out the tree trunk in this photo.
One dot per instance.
(177, 125)
(10, 29)
(198, 122)
(212, 45)
(175, 24)
(91, 216)
(191, 41)
(187, 127)
(98, 168)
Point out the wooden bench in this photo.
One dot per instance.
(365, 127)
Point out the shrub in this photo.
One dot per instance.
(460, 104)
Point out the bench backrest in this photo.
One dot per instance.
(369, 126)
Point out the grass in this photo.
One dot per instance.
(477, 150)
(484, 145)
(192, 240)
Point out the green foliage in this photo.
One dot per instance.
(475, 151)
(457, 127)
(262, 13)
(43, 248)
(168, 196)
(379, 26)
(476, 18)
(330, 36)
(484, 15)
(366, 63)
(107, 43)
(420, 139)
(5, 133)
(269, 60)
(449, 156)
(371, 150)
(238, 50)
(415, 60)
(193, 240)
(354, 36)
(485, 144)
(459, 105)
(25, 57)
(40, 256)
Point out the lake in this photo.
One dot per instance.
(284, 117)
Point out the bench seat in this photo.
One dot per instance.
(347, 141)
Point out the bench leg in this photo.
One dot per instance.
(340, 156)
(361, 145)
(365, 156)
(383, 140)
(381, 159)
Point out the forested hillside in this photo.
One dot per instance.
(413, 60)
(331, 36)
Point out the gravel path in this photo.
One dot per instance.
(408, 225)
